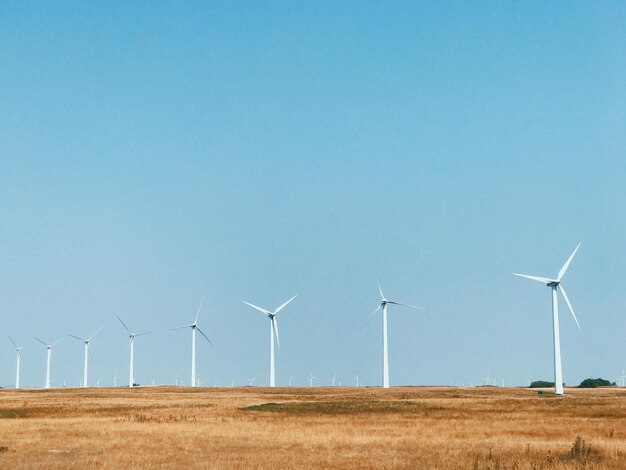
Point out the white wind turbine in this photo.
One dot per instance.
(383, 304)
(555, 284)
(194, 327)
(131, 347)
(273, 332)
(49, 348)
(311, 377)
(87, 354)
(17, 362)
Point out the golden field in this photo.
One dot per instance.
(253, 427)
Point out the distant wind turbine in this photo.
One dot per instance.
(555, 284)
(383, 305)
(194, 326)
(87, 354)
(311, 377)
(131, 347)
(273, 332)
(49, 348)
(17, 362)
(250, 381)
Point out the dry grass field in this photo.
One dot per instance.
(251, 427)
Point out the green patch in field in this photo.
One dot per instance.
(14, 414)
(341, 407)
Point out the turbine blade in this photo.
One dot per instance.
(57, 342)
(567, 263)
(284, 305)
(207, 338)
(198, 314)
(89, 349)
(275, 329)
(11, 339)
(92, 336)
(42, 342)
(382, 296)
(127, 329)
(405, 305)
(181, 327)
(262, 310)
(144, 333)
(545, 280)
(82, 339)
(569, 305)
(370, 317)
(130, 341)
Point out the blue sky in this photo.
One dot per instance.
(157, 155)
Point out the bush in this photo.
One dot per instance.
(593, 383)
(541, 384)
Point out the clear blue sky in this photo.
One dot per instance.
(156, 155)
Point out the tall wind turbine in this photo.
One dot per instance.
(194, 327)
(131, 347)
(273, 332)
(17, 362)
(87, 353)
(49, 348)
(383, 305)
(555, 284)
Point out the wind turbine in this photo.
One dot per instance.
(49, 348)
(311, 377)
(273, 332)
(131, 347)
(87, 353)
(250, 382)
(334, 376)
(194, 327)
(555, 284)
(383, 304)
(17, 362)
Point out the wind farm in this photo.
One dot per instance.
(380, 187)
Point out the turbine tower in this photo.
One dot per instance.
(554, 285)
(194, 327)
(87, 354)
(131, 347)
(383, 305)
(273, 332)
(17, 362)
(49, 348)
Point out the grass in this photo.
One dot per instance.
(251, 427)
(340, 407)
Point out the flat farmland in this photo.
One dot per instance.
(254, 427)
